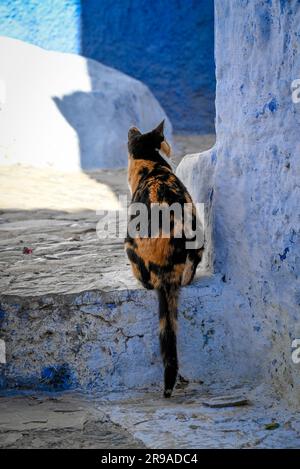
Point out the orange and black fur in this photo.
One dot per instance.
(161, 263)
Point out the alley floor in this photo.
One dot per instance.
(49, 244)
(196, 417)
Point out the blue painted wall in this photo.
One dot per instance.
(52, 24)
(168, 44)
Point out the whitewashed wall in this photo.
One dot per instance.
(251, 180)
(68, 112)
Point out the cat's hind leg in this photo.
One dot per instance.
(192, 261)
(139, 268)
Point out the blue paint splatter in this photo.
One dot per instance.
(282, 5)
(3, 380)
(265, 21)
(283, 256)
(58, 377)
(273, 105)
(214, 157)
(293, 236)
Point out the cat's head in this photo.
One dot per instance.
(140, 145)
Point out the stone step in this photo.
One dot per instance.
(105, 340)
(72, 315)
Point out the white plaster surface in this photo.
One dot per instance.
(236, 328)
(67, 112)
(250, 181)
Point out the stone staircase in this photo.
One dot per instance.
(73, 316)
(82, 356)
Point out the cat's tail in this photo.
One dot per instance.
(168, 299)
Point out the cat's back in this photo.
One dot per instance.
(160, 185)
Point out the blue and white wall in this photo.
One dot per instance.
(51, 24)
(167, 45)
(250, 180)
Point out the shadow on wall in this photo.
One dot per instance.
(102, 116)
(169, 49)
(100, 125)
(168, 46)
(75, 109)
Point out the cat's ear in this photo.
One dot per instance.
(160, 129)
(133, 132)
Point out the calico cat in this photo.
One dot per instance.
(164, 263)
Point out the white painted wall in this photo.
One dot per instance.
(68, 112)
(251, 180)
